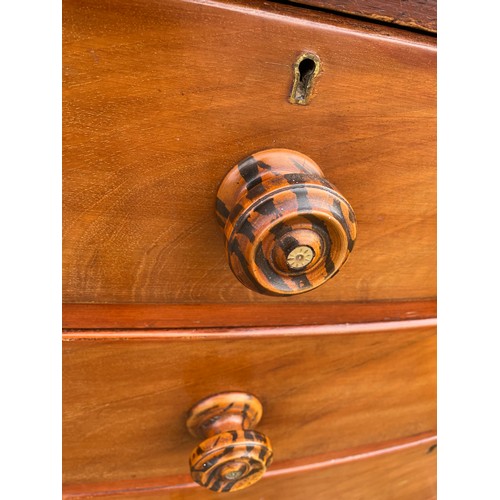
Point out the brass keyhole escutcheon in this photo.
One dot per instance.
(305, 70)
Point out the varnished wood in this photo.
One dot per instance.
(239, 315)
(277, 202)
(160, 97)
(311, 476)
(125, 401)
(419, 14)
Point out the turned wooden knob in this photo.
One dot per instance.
(287, 229)
(232, 455)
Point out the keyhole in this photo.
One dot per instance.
(305, 70)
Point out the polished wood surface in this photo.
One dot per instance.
(405, 469)
(160, 98)
(419, 14)
(125, 400)
(78, 316)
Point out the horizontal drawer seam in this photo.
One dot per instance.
(242, 333)
(196, 316)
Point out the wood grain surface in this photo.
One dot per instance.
(419, 14)
(162, 98)
(405, 469)
(125, 400)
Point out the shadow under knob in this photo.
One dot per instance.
(288, 230)
(232, 456)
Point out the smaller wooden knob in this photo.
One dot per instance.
(232, 455)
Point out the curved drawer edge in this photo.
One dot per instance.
(285, 468)
(235, 333)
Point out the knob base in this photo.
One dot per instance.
(223, 412)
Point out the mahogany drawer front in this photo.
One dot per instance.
(125, 400)
(406, 474)
(419, 14)
(161, 99)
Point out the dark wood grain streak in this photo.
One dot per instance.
(175, 485)
(419, 14)
(141, 316)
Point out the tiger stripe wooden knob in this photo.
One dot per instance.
(288, 230)
(232, 455)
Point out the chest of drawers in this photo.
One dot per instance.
(161, 99)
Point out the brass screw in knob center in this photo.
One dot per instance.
(300, 257)
(233, 471)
